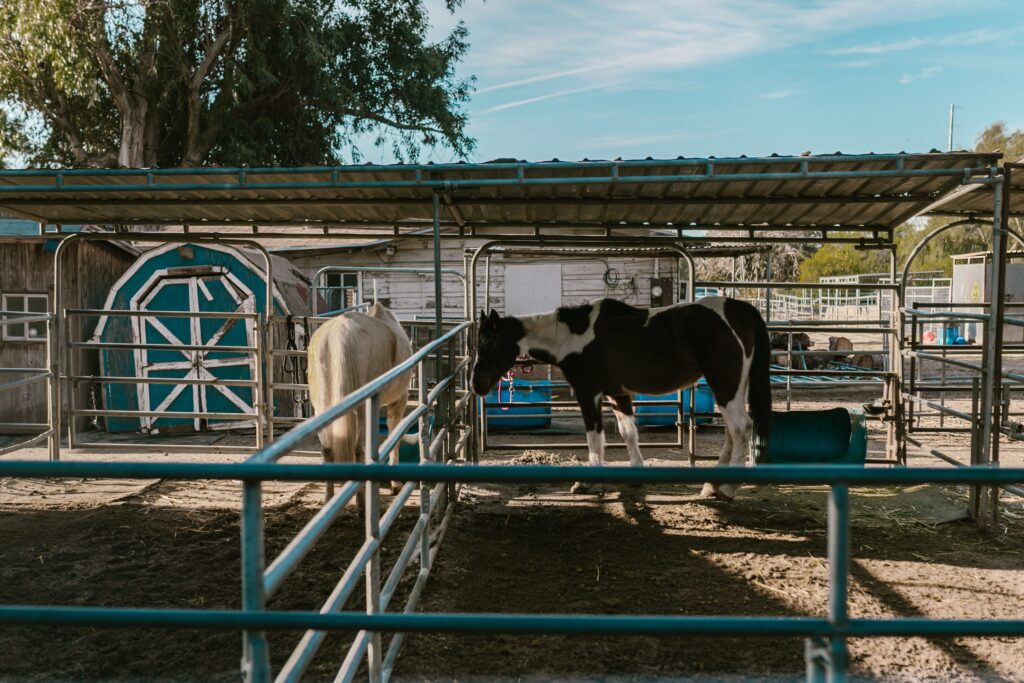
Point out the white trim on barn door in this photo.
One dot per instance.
(195, 363)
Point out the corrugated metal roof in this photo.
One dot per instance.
(284, 238)
(869, 192)
(978, 199)
(27, 231)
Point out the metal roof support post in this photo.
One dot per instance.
(895, 447)
(985, 499)
(441, 416)
(437, 274)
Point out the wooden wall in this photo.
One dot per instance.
(413, 294)
(90, 268)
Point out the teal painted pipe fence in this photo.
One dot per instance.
(231, 620)
(534, 474)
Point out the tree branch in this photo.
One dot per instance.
(212, 52)
(380, 118)
(111, 75)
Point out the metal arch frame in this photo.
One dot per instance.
(479, 411)
(59, 342)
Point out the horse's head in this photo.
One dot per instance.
(497, 347)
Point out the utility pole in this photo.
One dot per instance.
(952, 111)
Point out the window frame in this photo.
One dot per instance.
(5, 305)
(335, 285)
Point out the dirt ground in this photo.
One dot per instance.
(655, 550)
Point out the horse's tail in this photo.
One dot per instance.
(759, 393)
(331, 376)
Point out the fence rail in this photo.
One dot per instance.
(826, 649)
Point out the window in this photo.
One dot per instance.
(341, 290)
(24, 303)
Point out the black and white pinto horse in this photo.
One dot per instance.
(609, 348)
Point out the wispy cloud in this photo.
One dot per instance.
(881, 48)
(537, 79)
(860, 63)
(539, 98)
(925, 73)
(604, 40)
(965, 39)
(780, 94)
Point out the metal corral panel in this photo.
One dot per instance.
(188, 277)
(868, 191)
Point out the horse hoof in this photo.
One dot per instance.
(708, 491)
(579, 487)
(725, 492)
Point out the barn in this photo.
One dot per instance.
(196, 278)
(520, 281)
(26, 285)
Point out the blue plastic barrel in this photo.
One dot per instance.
(665, 415)
(952, 332)
(824, 437)
(519, 417)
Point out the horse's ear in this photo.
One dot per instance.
(493, 318)
(483, 316)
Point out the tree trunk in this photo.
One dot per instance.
(133, 136)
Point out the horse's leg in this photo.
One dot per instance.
(396, 411)
(325, 452)
(737, 421)
(623, 407)
(590, 406)
(355, 440)
(710, 490)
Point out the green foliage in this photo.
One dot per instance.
(232, 82)
(841, 259)
(968, 238)
(996, 138)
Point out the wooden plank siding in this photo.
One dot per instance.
(410, 295)
(26, 266)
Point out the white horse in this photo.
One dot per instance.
(344, 354)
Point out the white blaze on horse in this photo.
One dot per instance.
(609, 348)
(344, 354)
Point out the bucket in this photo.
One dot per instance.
(665, 415)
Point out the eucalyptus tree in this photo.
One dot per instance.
(140, 83)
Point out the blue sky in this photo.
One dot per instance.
(662, 78)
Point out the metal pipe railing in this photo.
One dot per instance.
(436, 447)
(827, 636)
